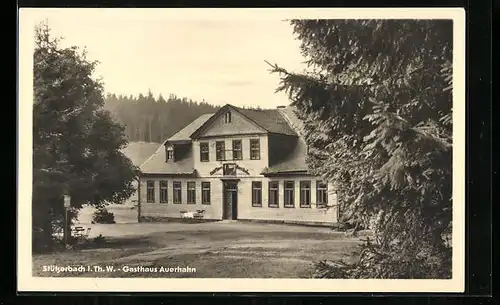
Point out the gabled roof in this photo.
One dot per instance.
(157, 164)
(270, 120)
(185, 133)
(292, 119)
(139, 152)
(295, 161)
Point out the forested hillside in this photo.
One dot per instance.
(151, 119)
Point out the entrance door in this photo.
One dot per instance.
(230, 200)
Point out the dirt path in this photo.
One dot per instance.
(234, 250)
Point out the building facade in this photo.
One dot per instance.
(238, 164)
(138, 153)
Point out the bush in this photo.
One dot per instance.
(99, 240)
(390, 263)
(102, 215)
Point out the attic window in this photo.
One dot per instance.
(227, 117)
(170, 154)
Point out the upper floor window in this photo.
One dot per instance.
(163, 191)
(321, 194)
(220, 151)
(204, 152)
(254, 149)
(237, 153)
(150, 194)
(305, 194)
(191, 192)
(289, 201)
(170, 154)
(227, 117)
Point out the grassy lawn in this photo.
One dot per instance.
(225, 250)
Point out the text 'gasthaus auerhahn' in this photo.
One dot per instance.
(126, 269)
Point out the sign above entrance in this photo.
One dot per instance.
(229, 169)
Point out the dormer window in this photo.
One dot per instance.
(170, 154)
(227, 117)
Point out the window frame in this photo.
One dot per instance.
(170, 154)
(252, 150)
(286, 189)
(271, 190)
(321, 188)
(174, 192)
(203, 189)
(257, 203)
(220, 150)
(302, 196)
(163, 191)
(240, 149)
(203, 152)
(150, 197)
(227, 117)
(191, 192)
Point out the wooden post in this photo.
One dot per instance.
(66, 232)
(138, 199)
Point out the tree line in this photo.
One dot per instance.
(154, 119)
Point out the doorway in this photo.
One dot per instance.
(230, 198)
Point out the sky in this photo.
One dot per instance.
(219, 60)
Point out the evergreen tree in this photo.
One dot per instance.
(76, 144)
(377, 106)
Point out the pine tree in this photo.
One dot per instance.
(376, 105)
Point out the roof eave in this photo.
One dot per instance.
(174, 142)
(180, 174)
(285, 173)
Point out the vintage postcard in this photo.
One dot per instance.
(241, 150)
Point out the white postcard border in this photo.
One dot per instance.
(26, 282)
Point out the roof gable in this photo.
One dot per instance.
(239, 124)
(257, 120)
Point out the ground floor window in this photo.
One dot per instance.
(191, 192)
(321, 194)
(177, 195)
(256, 193)
(205, 192)
(273, 194)
(289, 192)
(305, 194)
(150, 194)
(163, 191)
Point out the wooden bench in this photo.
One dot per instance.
(192, 215)
(80, 232)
